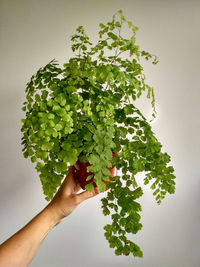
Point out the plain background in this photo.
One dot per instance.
(33, 32)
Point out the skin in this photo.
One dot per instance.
(19, 249)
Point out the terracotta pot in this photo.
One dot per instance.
(80, 173)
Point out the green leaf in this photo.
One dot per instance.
(50, 102)
(112, 35)
(55, 134)
(91, 128)
(153, 186)
(106, 172)
(123, 18)
(106, 211)
(89, 177)
(90, 187)
(53, 87)
(137, 192)
(102, 25)
(94, 159)
(66, 145)
(101, 185)
(134, 183)
(51, 116)
(149, 91)
(130, 24)
(123, 131)
(42, 106)
(71, 89)
(56, 107)
(67, 107)
(58, 126)
(73, 158)
(44, 94)
(117, 24)
(37, 98)
(33, 159)
(84, 47)
(131, 130)
(156, 192)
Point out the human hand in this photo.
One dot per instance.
(66, 199)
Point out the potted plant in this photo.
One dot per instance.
(85, 111)
(84, 177)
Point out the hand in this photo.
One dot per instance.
(66, 199)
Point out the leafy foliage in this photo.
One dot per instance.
(83, 110)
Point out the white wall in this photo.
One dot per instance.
(33, 32)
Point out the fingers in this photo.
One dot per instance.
(72, 183)
(69, 183)
(86, 194)
(77, 187)
(69, 174)
(71, 186)
(70, 171)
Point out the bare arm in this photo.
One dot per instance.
(19, 249)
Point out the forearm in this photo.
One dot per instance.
(19, 250)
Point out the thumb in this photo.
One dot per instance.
(86, 194)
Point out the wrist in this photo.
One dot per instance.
(52, 214)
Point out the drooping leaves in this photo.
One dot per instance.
(85, 110)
